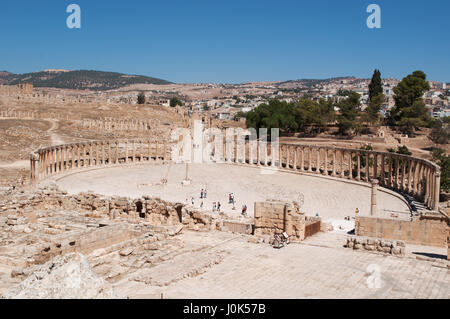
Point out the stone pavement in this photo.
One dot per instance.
(319, 267)
(331, 199)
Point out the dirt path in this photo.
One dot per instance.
(55, 139)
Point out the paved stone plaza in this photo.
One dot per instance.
(319, 267)
(331, 199)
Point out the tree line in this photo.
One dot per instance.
(408, 114)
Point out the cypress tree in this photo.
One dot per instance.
(375, 86)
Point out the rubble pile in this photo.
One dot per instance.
(64, 277)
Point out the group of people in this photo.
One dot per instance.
(216, 206)
(231, 198)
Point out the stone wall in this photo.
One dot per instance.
(152, 210)
(276, 217)
(376, 245)
(428, 229)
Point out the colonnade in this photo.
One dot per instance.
(405, 174)
(111, 124)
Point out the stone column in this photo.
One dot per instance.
(437, 190)
(258, 156)
(373, 199)
(390, 171)
(334, 163)
(310, 159)
(84, 154)
(318, 161)
(367, 167)
(72, 156)
(51, 161)
(397, 173)
(97, 156)
(287, 149)
(157, 157)
(416, 177)
(325, 163)
(350, 164)
(117, 153)
(165, 152)
(108, 145)
(91, 150)
(358, 170)
(63, 158)
(427, 184)
(295, 157)
(409, 177)
(302, 161)
(133, 151)
(103, 153)
(403, 186)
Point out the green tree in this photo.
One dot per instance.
(141, 98)
(440, 134)
(402, 150)
(175, 101)
(349, 110)
(375, 86)
(315, 114)
(276, 114)
(373, 109)
(410, 112)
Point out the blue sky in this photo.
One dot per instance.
(228, 41)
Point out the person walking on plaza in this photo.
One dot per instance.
(244, 210)
(218, 206)
(201, 193)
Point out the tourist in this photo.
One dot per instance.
(214, 206)
(204, 194)
(192, 200)
(244, 210)
(218, 206)
(229, 198)
(201, 193)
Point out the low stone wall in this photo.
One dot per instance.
(84, 243)
(376, 245)
(276, 217)
(428, 229)
(152, 210)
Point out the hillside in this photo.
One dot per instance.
(78, 80)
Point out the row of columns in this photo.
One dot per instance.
(19, 114)
(417, 177)
(405, 174)
(115, 124)
(58, 159)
